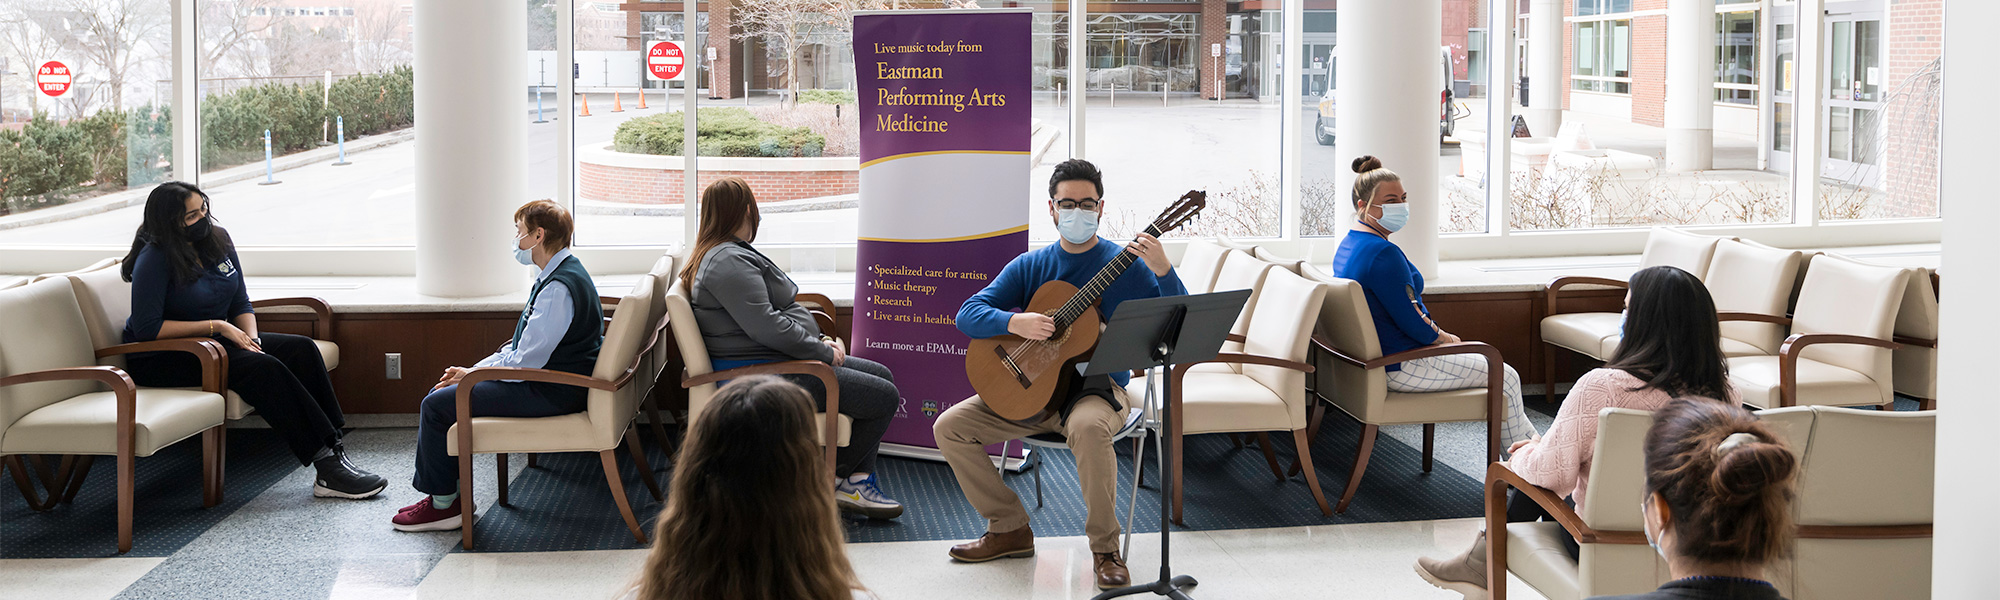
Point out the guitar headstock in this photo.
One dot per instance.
(1181, 211)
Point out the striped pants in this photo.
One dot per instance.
(1461, 371)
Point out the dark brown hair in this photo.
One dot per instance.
(724, 206)
(1730, 503)
(750, 514)
(1370, 176)
(1671, 338)
(556, 224)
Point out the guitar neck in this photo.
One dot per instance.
(1091, 292)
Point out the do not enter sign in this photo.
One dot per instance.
(53, 79)
(665, 61)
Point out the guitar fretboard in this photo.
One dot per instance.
(1087, 297)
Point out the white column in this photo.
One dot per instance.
(185, 73)
(1078, 75)
(1690, 85)
(471, 143)
(1546, 63)
(1389, 81)
(1967, 480)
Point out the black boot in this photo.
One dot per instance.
(339, 478)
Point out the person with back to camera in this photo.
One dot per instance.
(187, 282)
(1395, 292)
(1718, 506)
(746, 309)
(560, 329)
(1671, 349)
(749, 515)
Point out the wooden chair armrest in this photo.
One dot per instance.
(1180, 370)
(1865, 532)
(479, 374)
(1553, 289)
(827, 324)
(820, 302)
(1491, 353)
(608, 300)
(1496, 371)
(1788, 358)
(1325, 345)
(1750, 316)
(1236, 338)
(1918, 342)
(322, 312)
(814, 368)
(1499, 477)
(126, 392)
(210, 353)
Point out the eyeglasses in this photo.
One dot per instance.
(1074, 204)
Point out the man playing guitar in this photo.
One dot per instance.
(1089, 411)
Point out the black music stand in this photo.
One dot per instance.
(1162, 332)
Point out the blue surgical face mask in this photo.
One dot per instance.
(524, 256)
(1076, 225)
(1645, 505)
(1394, 217)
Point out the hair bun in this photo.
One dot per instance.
(1748, 470)
(1366, 163)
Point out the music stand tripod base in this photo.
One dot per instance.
(1162, 332)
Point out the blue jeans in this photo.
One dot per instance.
(437, 471)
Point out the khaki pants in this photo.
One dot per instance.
(967, 428)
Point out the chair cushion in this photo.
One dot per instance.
(329, 353)
(1756, 378)
(1732, 348)
(87, 424)
(233, 406)
(1399, 408)
(1535, 553)
(1225, 402)
(1584, 333)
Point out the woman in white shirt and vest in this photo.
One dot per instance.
(560, 329)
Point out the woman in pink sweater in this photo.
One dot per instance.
(1671, 349)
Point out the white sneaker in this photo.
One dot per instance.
(865, 497)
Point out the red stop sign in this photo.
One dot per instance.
(665, 61)
(53, 79)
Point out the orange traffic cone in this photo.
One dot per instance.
(586, 104)
(642, 98)
(617, 102)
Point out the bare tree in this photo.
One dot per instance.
(382, 36)
(227, 30)
(785, 25)
(115, 36)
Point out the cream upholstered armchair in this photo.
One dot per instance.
(1614, 558)
(1233, 244)
(1239, 271)
(702, 380)
(1351, 376)
(1199, 263)
(602, 426)
(106, 299)
(1261, 389)
(1282, 262)
(1596, 334)
(1916, 360)
(1838, 353)
(1863, 508)
(101, 264)
(1749, 281)
(55, 398)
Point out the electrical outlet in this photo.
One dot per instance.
(394, 360)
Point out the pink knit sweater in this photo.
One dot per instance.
(1560, 461)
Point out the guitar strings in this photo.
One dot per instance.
(1068, 313)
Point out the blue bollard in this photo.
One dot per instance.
(268, 172)
(538, 106)
(340, 133)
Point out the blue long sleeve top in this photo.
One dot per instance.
(1394, 288)
(219, 293)
(985, 314)
(548, 318)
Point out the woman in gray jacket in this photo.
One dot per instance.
(745, 308)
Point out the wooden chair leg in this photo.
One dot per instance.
(1312, 433)
(1270, 456)
(76, 480)
(1430, 442)
(1926, 404)
(126, 484)
(211, 449)
(1178, 443)
(26, 483)
(1312, 473)
(618, 494)
(659, 427)
(1548, 372)
(465, 496)
(500, 465)
(645, 466)
(1236, 438)
(1360, 466)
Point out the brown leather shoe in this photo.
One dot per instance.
(1019, 543)
(1111, 571)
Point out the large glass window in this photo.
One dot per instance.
(1736, 57)
(1602, 7)
(85, 119)
(1603, 57)
(1880, 154)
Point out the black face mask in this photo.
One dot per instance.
(198, 231)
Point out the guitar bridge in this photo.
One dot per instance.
(1009, 361)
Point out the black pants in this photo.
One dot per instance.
(287, 384)
(1522, 510)
(868, 395)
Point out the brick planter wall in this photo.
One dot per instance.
(607, 176)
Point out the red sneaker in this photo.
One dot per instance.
(424, 516)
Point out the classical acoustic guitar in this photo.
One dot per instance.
(1018, 377)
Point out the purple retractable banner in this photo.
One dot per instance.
(945, 127)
